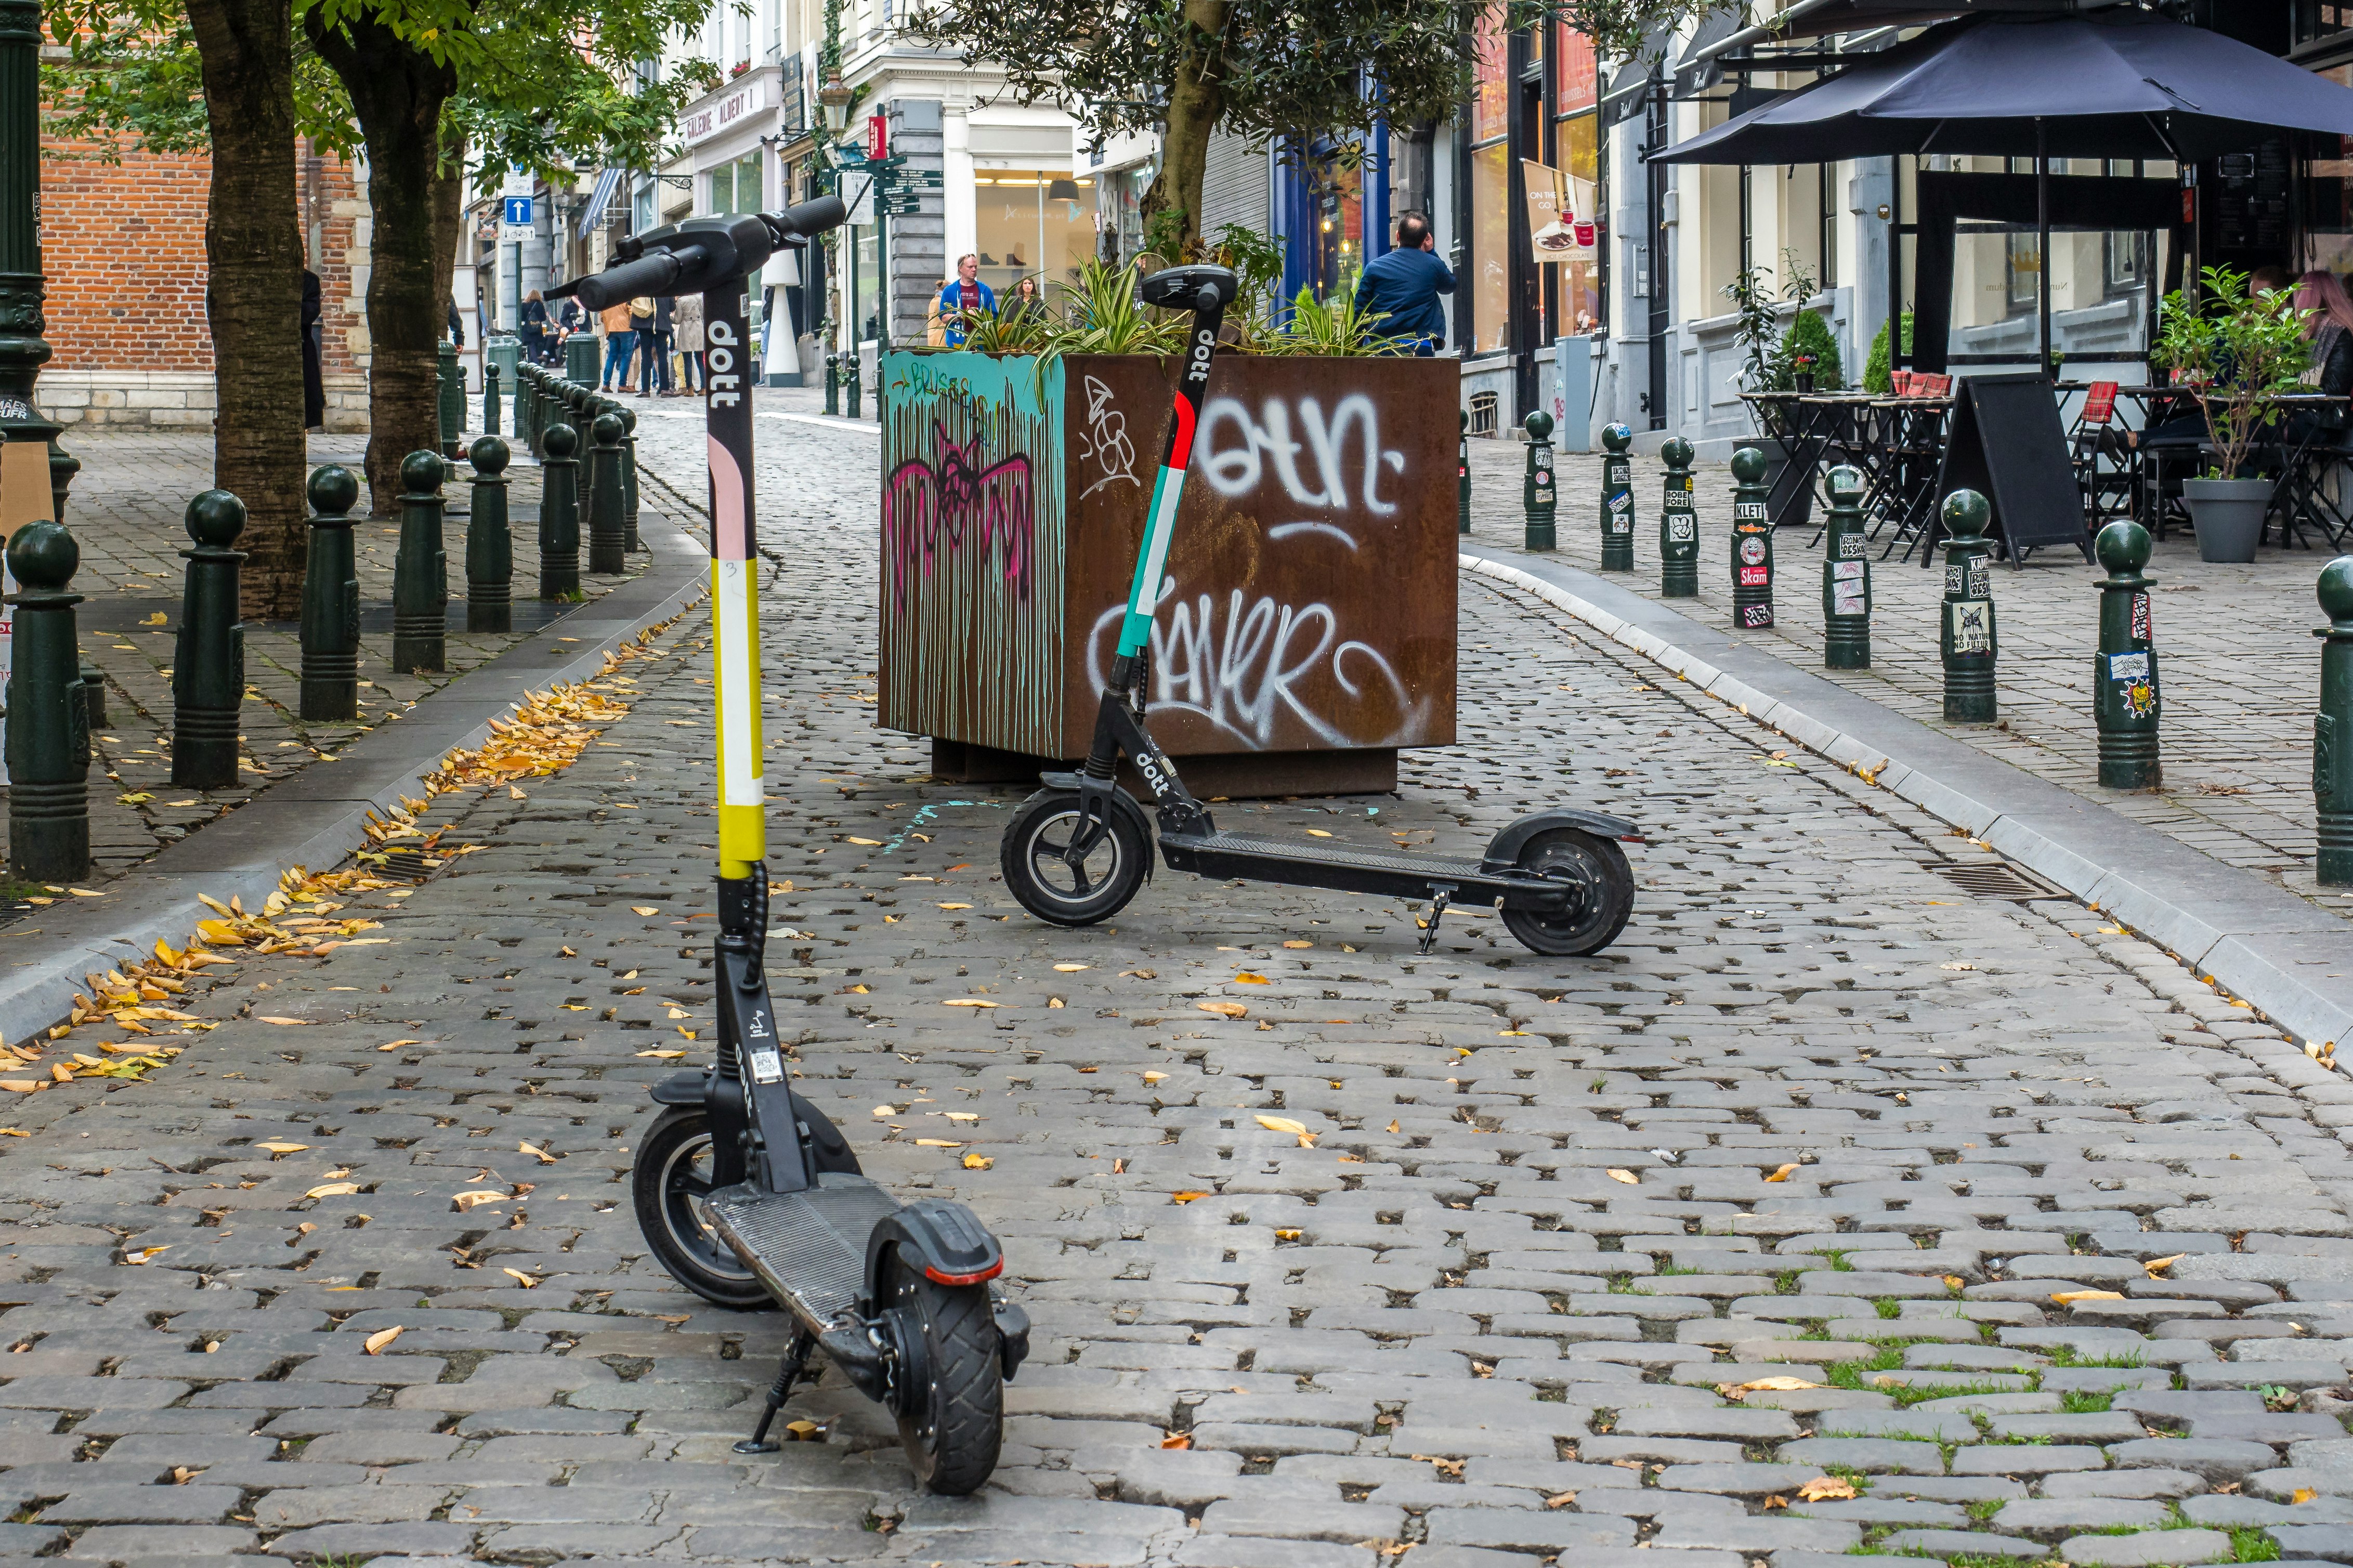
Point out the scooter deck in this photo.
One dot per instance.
(808, 1247)
(1256, 860)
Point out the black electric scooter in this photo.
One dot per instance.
(746, 1192)
(1079, 848)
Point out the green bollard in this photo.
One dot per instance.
(559, 516)
(580, 352)
(490, 397)
(420, 573)
(1678, 526)
(605, 537)
(2332, 728)
(1846, 576)
(1538, 500)
(330, 601)
(1967, 638)
(856, 359)
(209, 660)
(490, 546)
(1463, 476)
(1752, 542)
(1617, 501)
(833, 384)
(2124, 699)
(629, 480)
(48, 721)
(451, 411)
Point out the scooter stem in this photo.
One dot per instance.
(735, 585)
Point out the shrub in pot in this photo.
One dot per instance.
(2241, 351)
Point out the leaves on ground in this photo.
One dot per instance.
(1224, 1009)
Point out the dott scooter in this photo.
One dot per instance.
(1079, 849)
(745, 1191)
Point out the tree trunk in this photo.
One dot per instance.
(396, 94)
(253, 249)
(1196, 99)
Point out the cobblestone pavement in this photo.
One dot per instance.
(2241, 669)
(125, 512)
(1819, 1124)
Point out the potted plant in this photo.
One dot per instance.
(2241, 351)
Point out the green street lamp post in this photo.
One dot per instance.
(22, 350)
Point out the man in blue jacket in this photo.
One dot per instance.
(966, 292)
(1400, 288)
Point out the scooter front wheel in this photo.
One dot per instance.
(1038, 868)
(668, 1185)
(1599, 866)
(948, 1386)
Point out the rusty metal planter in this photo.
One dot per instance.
(1306, 628)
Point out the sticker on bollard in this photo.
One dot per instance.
(1462, 474)
(2332, 728)
(1538, 501)
(1752, 542)
(331, 601)
(208, 661)
(1617, 501)
(1846, 576)
(1678, 526)
(1965, 637)
(2124, 700)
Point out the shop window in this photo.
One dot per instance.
(1491, 249)
(1033, 224)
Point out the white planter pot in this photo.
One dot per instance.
(2228, 516)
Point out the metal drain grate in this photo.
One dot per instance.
(408, 865)
(1996, 880)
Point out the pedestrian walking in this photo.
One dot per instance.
(1399, 288)
(964, 292)
(314, 386)
(686, 336)
(653, 349)
(621, 343)
(1023, 301)
(533, 319)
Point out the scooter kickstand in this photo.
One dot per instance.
(1438, 900)
(796, 1357)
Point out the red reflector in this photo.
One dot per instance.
(991, 1272)
(1631, 839)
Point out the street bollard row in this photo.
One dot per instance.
(833, 385)
(490, 545)
(208, 659)
(48, 721)
(1537, 499)
(490, 397)
(450, 411)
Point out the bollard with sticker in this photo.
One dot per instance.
(1752, 542)
(1538, 500)
(2124, 700)
(856, 359)
(2332, 728)
(1678, 526)
(1846, 576)
(1966, 639)
(1617, 501)
(1463, 475)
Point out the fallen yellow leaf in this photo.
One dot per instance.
(1826, 1489)
(1784, 1174)
(664, 1055)
(1286, 1236)
(1246, 978)
(1317, 833)
(1279, 1124)
(645, 908)
(283, 1148)
(1072, 968)
(955, 906)
(333, 1190)
(157, 619)
(268, 1018)
(1176, 1440)
(969, 1002)
(139, 799)
(978, 1162)
(1299, 944)
(22, 1085)
(1223, 1009)
(476, 1198)
(1186, 1197)
(374, 1342)
(1629, 1177)
(936, 1143)
(524, 1279)
(1779, 1385)
(2302, 1494)
(868, 843)
(1955, 1282)
(396, 1045)
(2156, 1266)
(1560, 1499)
(542, 1156)
(2069, 1298)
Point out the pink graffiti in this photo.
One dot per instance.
(931, 507)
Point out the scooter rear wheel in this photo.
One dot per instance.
(667, 1185)
(1572, 853)
(1048, 885)
(949, 1392)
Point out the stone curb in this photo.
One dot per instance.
(316, 818)
(2257, 940)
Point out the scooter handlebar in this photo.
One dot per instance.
(807, 219)
(654, 274)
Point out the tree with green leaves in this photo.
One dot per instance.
(1257, 69)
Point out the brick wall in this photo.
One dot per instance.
(122, 245)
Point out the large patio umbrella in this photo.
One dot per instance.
(2118, 83)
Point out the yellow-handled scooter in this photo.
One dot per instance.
(745, 1191)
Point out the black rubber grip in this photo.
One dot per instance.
(647, 275)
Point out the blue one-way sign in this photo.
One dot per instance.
(518, 214)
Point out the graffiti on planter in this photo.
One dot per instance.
(1102, 440)
(1249, 667)
(954, 500)
(1336, 464)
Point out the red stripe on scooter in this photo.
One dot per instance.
(991, 1272)
(1180, 451)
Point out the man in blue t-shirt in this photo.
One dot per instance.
(1400, 288)
(966, 292)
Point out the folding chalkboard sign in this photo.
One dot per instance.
(2006, 442)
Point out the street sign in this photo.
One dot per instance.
(896, 203)
(878, 137)
(518, 212)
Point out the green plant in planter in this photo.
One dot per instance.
(1808, 339)
(1334, 327)
(2242, 351)
(1878, 375)
(1751, 294)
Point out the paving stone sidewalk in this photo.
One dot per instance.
(2239, 668)
(125, 512)
(1820, 1117)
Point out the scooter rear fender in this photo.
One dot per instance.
(943, 1238)
(1503, 852)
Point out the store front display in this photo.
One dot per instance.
(1033, 224)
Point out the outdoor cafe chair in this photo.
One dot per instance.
(2102, 455)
